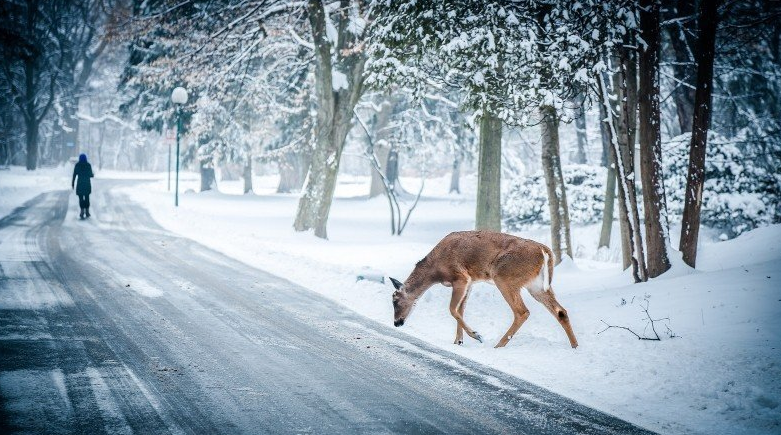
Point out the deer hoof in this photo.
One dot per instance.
(459, 342)
(478, 337)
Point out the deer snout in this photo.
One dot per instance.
(398, 322)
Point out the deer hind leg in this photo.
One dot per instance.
(512, 294)
(461, 307)
(460, 290)
(546, 297)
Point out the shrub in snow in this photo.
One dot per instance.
(526, 200)
(739, 194)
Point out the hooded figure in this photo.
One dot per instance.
(83, 170)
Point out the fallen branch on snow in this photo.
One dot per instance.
(650, 321)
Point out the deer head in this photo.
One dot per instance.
(402, 303)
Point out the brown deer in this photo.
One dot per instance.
(462, 258)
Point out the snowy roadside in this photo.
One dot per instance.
(721, 375)
(18, 185)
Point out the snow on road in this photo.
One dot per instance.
(721, 374)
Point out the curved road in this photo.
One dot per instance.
(112, 325)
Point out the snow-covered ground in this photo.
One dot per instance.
(17, 185)
(721, 374)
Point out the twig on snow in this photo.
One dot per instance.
(650, 322)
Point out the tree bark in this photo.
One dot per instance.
(377, 187)
(30, 115)
(655, 207)
(247, 175)
(580, 129)
(609, 210)
(622, 154)
(455, 175)
(610, 184)
(381, 147)
(554, 181)
(335, 105)
(208, 179)
(702, 102)
(489, 177)
(681, 43)
(392, 171)
(31, 138)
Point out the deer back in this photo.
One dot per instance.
(485, 256)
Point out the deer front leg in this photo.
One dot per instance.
(547, 298)
(520, 313)
(459, 293)
(461, 308)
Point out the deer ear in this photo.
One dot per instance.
(396, 283)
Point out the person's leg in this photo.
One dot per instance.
(81, 206)
(86, 204)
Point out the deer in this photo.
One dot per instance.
(462, 258)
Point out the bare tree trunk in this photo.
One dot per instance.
(208, 179)
(455, 175)
(610, 184)
(392, 171)
(31, 138)
(625, 88)
(377, 186)
(335, 104)
(580, 128)
(101, 138)
(31, 119)
(381, 147)
(247, 175)
(489, 177)
(554, 180)
(608, 212)
(628, 211)
(655, 206)
(695, 180)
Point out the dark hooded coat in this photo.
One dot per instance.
(83, 171)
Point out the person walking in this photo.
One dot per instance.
(83, 170)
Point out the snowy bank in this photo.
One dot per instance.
(17, 185)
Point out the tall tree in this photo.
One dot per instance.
(655, 206)
(33, 70)
(554, 181)
(82, 36)
(579, 155)
(489, 173)
(339, 58)
(695, 179)
(610, 183)
(622, 153)
(382, 147)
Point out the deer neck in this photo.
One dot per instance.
(419, 281)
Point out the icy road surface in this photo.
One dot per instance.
(112, 325)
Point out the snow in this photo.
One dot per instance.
(721, 374)
(339, 80)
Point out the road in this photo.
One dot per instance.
(113, 325)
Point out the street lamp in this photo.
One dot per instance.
(179, 97)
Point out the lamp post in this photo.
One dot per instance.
(179, 97)
(169, 156)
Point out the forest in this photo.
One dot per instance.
(647, 112)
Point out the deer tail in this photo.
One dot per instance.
(547, 269)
